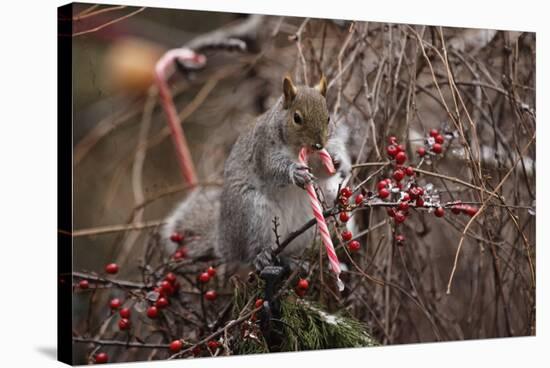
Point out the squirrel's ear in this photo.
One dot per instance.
(322, 86)
(289, 90)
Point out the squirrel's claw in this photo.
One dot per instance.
(301, 175)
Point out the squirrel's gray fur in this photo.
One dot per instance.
(263, 180)
(196, 218)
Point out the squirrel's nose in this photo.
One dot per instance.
(317, 146)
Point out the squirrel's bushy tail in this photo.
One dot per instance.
(196, 218)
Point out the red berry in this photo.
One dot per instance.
(259, 303)
(406, 197)
(101, 358)
(347, 235)
(178, 255)
(403, 206)
(125, 313)
(392, 150)
(392, 139)
(211, 295)
(400, 239)
(437, 148)
(211, 271)
(381, 184)
(175, 346)
(400, 148)
(204, 277)
(421, 151)
(359, 199)
(84, 284)
(303, 284)
(176, 237)
(434, 133)
(115, 303)
(457, 208)
(354, 246)
(439, 212)
(383, 193)
(152, 312)
(344, 216)
(414, 192)
(196, 350)
(470, 211)
(346, 192)
(166, 288)
(409, 171)
(400, 158)
(300, 292)
(419, 202)
(170, 277)
(399, 217)
(213, 345)
(398, 175)
(343, 201)
(439, 139)
(161, 302)
(124, 324)
(420, 190)
(111, 268)
(391, 212)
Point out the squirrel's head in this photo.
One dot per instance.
(306, 114)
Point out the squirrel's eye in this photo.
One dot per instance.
(328, 120)
(297, 118)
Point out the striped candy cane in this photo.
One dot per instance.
(318, 212)
(163, 69)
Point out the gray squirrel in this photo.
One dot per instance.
(263, 180)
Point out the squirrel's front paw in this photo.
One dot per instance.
(301, 175)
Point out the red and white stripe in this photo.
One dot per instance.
(327, 161)
(163, 69)
(318, 212)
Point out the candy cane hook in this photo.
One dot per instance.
(162, 73)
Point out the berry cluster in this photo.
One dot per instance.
(459, 208)
(181, 252)
(204, 278)
(162, 292)
(159, 298)
(433, 143)
(396, 151)
(176, 346)
(403, 189)
(344, 200)
(400, 190)
(401, 186)
(124, 321)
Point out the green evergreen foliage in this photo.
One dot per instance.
(308, 327)
(305, 326)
